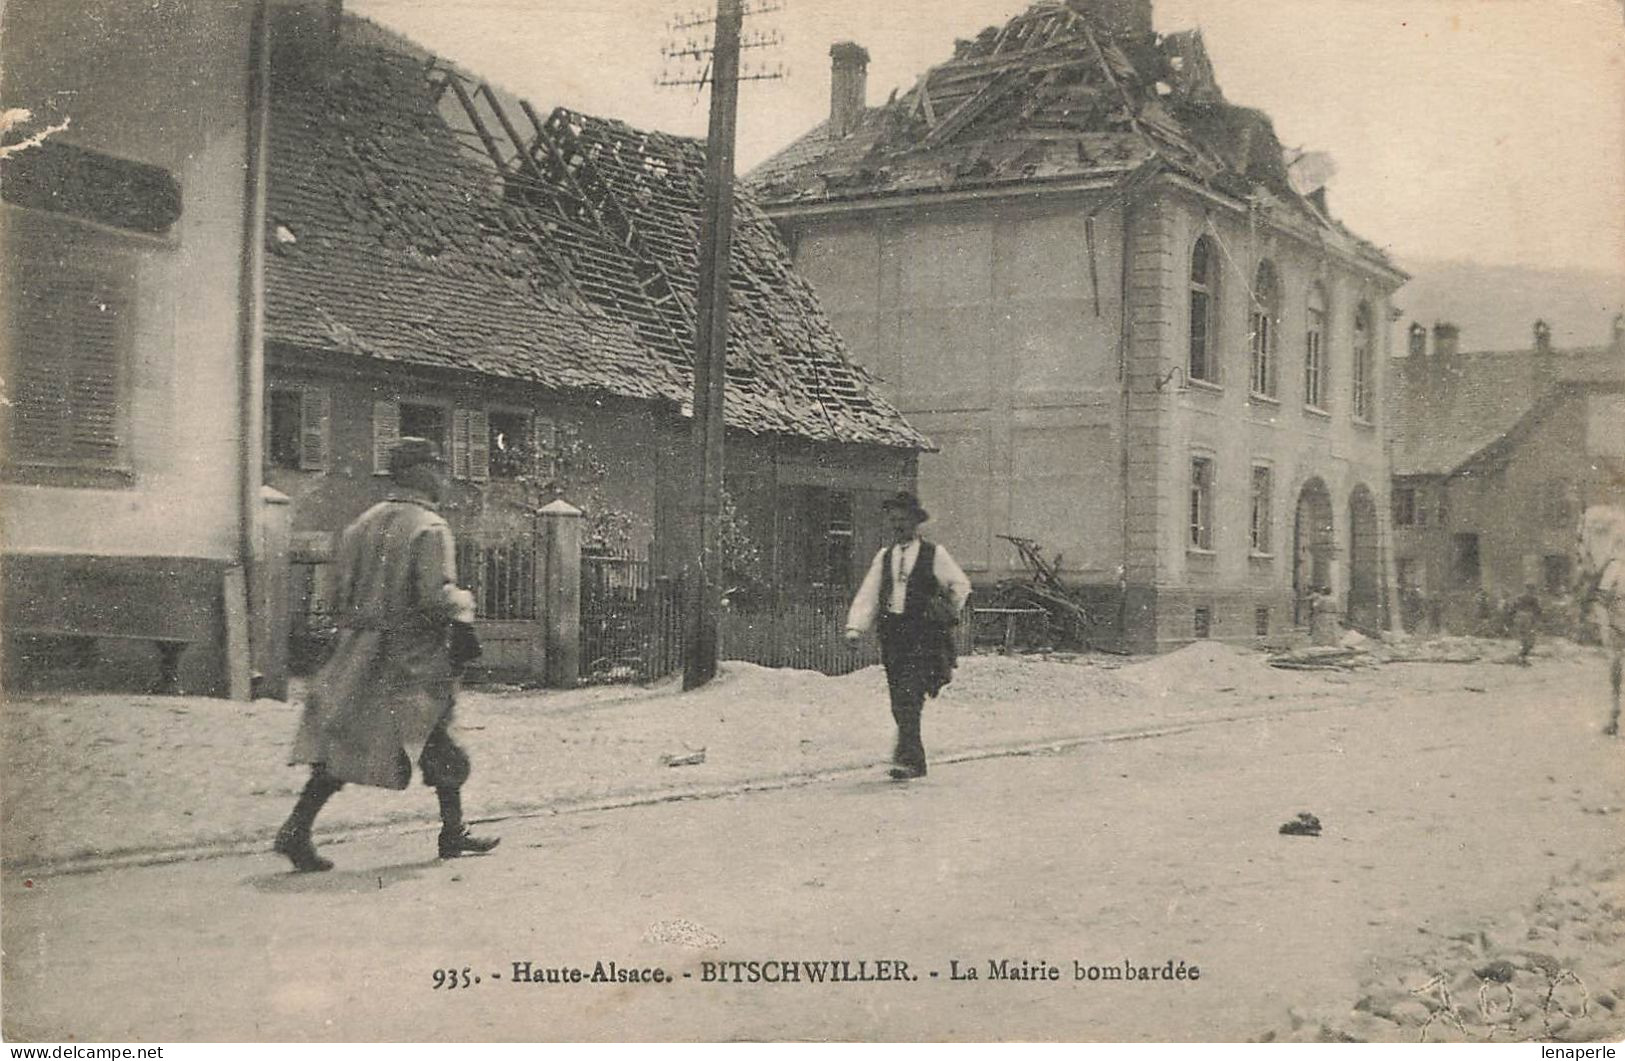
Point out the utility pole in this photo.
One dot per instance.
(703, 586)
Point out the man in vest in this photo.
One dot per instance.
(916, 591)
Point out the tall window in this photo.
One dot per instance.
(1265, 317)
(1362, 362)
(1201, 535)
(1262, 510)
(1464, 569)
(1204, 312)
(1314, 350)
(1404, 506)
(68, 343)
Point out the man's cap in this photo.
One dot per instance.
(410, 452)
(906, 502)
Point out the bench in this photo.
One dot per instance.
(169, 650)
(172, 603)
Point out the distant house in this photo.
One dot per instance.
(442, 261)
(1496, 453)
(130, 488)
(1122, 310)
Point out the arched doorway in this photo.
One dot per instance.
(1313, 543)
(1365, 587)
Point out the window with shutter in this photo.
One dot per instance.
(314, 408)
(510, 446)
(459, 443)
(546, 448)
(386, 431)
(68, 331)
(479, 446)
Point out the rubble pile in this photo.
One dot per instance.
(1220, 667)
(1553, 973)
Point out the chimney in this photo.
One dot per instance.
(1130, 19)
(1543, 338)
(1417, 343)
(848, 87)
(303, 36)
(1446, 339)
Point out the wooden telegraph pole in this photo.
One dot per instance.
(703, 586)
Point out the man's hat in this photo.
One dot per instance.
(906, 502)
(410, 452)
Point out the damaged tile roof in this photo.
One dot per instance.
(1447, 409)
(1058, 92)
(410, 221)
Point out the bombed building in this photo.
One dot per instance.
(1123, 310)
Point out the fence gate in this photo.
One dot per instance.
(502, 578)
(631, 622)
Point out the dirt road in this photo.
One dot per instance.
(1469, 813)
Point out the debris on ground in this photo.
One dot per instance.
(1330, 657)
(1042, 591)
(1305, 824)
(1552, 973)
(693, 758)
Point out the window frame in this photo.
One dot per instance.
(52, 277)
(1263, 333)
(1403, 505)
(1362, 382)
(1207, 288)
(1316, 364)
(1261, 546)
(1203, 476)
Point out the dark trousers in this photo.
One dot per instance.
(444, 766)
(903, 652)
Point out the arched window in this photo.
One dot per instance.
(1314, 349)
(1364, 387)
(1264, 319)
(1204, 320)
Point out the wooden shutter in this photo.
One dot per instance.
(479, 445)
(314, 415)
(386, 431)
(545, 448)
(69, 353)
(459, 443)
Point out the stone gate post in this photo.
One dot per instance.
(558, 530)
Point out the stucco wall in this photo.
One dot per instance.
(168, 87)
(998, 338)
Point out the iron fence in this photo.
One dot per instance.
(502, 578)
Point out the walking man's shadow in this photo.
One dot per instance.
(339, 881)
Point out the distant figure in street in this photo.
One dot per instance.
(386, 693)
(916, 591)
(1322, 616)
(1523, 615)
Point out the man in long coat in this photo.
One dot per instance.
(385, 694)
(916, 592)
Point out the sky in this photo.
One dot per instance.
(1482, 130)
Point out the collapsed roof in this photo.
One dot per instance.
(1066, 90)
(411, 221)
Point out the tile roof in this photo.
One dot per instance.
(393, 235)
(1446, 410)
(1053, 94)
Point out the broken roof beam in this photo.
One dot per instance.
(1001, 86)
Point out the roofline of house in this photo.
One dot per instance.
(864, 203)
(1106, 181)
(1556, 392)
(1390, 273)
(342, 364)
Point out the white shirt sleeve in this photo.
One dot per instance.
(861, 616)
(950, 576)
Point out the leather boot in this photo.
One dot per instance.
(293, 840)
(455, 839)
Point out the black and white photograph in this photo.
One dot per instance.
(785, 521)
